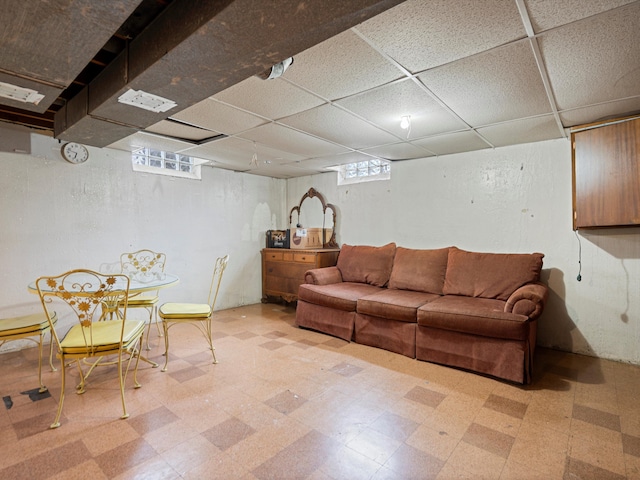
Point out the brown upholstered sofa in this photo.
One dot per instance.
(470, 310)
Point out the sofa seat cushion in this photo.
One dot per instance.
(475, 316)
(400, 305)
(419, 270)
(366, 264)
(490, 275)
(341, 296)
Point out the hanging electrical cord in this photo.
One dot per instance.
(254, 158)
(579, 277)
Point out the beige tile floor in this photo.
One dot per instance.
(286, 403)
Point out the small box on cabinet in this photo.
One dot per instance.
(309, 237)
(277, 238)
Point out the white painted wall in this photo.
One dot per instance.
(55, 216)
(511, 199)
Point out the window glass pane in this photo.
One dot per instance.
(367, 170)
(139, 159)
(160, 162)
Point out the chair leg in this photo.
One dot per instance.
(56, 422)
(165, 327)
(53, 369)
(155, 314)
(149, 326)
(136, 384)
(121, 378)
(208, 334)
(42, 386)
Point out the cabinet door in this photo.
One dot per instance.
(606, 175)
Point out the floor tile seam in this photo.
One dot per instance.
(601, 447)
(473, 474)
(603, 430)
(494, 430)
(525, 466)
(566, 435)
(514, 435)
(622, 475)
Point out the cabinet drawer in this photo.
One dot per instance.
(274, 256)
(304, 258)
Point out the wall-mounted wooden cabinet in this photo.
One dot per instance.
(606, 174)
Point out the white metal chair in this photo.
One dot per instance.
(198, 314)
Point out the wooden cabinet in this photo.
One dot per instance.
(283, 269)
(606, 174)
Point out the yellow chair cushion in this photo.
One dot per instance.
(106, 336)
(140, 301)
(25, 324)
(185, 310)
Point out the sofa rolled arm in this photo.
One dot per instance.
(323, 276)
(528, 300)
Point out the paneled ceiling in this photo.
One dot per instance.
(471, 75)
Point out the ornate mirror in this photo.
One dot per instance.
(316, 213)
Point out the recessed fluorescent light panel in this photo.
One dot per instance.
(146, 101)
(25, 95)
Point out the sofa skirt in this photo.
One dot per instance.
(507, 359)
(395, 336)
(338, 323)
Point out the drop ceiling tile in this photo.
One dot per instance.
(341, 66)
(545, 15)
(272, 99)
(421, 35)
(283, 171)
(522, 131)
(385, 105)
(594, 60)
(180, 130)
(603, 111)
(321, 163)
(239, 152)
(398, 151)
(213, 115)
(452, 143)
(339, 126)
(150, 140)
(289, 140)
(485, 91)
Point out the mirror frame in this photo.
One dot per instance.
(314, 193)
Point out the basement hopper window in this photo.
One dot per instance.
(150, 160)
(365, 171)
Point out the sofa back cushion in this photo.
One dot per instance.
(490, 275)
(419, 270)
(365, 264)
